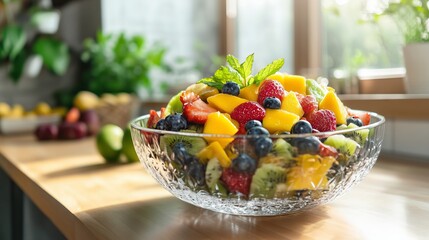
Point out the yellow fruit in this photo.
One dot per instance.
(295, 83)
(277, 76)
(333, 103)
(214, 150)
(232, 120)
(108, 99)
(291, 104)
(60, 111)
(4, 109)
(277, 120)
(123, 98)
(225, 102)
(309, 173)
(85, 100)
(250, 92)
(218, 123)
(17, 111)
(203, 90)
(42, 108)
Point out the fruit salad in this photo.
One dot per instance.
(267, 135)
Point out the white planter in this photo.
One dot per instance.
(416, 58)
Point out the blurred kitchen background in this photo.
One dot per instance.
(52, 49)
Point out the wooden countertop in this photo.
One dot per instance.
(87, 199)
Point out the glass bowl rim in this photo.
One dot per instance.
(380, 121)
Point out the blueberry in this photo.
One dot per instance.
(307, 145)
(251, 124)
(302, 126)
(263, 146)
(175, 122)
(258, 131)
(244, 163)
(231, 88)
(181, 155)
(196, 172)
(161, 125)
(272, 103)
(355, 121)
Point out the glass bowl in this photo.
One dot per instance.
(289, 177)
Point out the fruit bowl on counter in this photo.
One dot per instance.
(288, 179)
(262, 145)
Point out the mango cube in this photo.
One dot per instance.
(277, 76)
(291, 104)
(218, 123)
(333, 103)
(277, 120)
(295, 83)
(250, 92)
(309, 173)
(225, 102)
(214, 150)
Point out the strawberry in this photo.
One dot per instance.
(248, 111)
(308, 103)
(270, 88)
(197, 111)
(365, 117)
(236, 182)
(327, 151)
(323, 120)
(153, 119)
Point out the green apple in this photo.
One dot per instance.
(109, 142)
(128, 147)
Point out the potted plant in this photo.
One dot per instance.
(26, 46)
(412, 19)
(119, 63)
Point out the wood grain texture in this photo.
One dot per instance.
(87, 199)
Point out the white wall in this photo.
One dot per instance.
(407, 137)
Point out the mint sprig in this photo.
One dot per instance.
(241, 73)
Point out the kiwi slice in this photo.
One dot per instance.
(193, 145)
(314, 88)
(344, 145)
(265, 180)
(174, 105)
(196, 127)
(360, 136)
(282, 149)
(213, 173)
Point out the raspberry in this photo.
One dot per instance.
(270, 88)
(248, 111)
(309, 104)
(323, 120)
(236, 182)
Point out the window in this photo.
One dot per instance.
(351, 42)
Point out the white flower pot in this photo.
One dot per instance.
(416, 58)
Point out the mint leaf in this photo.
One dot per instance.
(269, 70)
(235, 64)
(247, 66)
(224, 74)
(211, 82)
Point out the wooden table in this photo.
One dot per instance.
(87, 199)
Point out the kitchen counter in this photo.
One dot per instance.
(87, 199)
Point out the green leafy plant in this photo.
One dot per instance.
(411, 17)
(117, 63)
(16, 47)
(241, 73)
